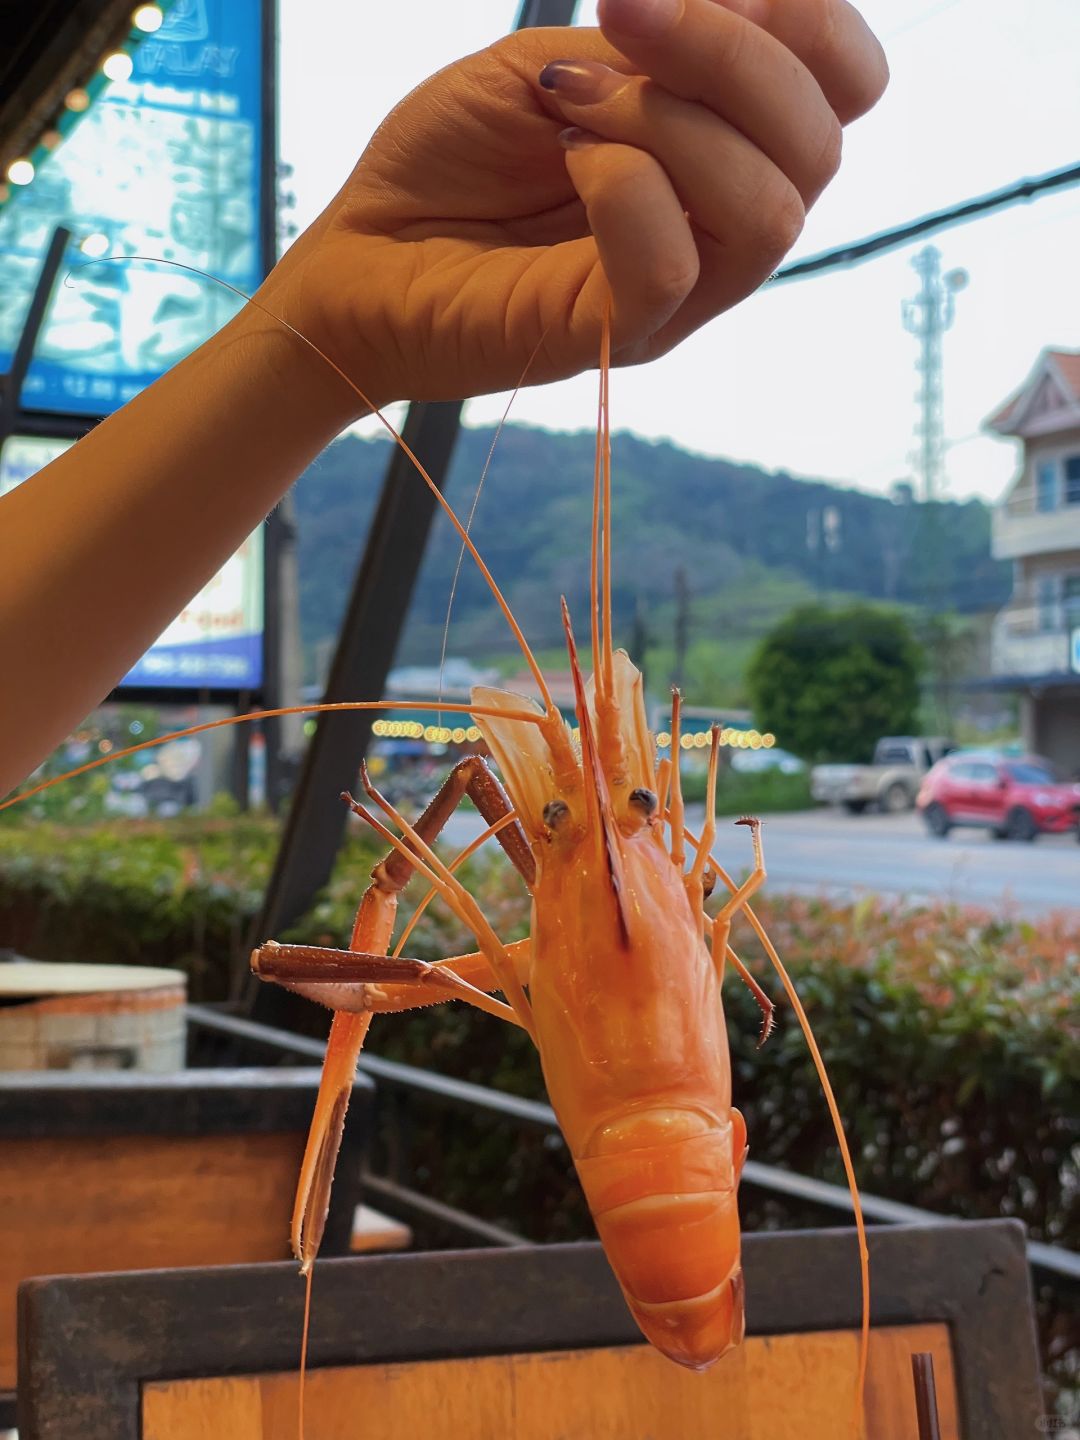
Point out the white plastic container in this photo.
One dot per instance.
(91, 1017)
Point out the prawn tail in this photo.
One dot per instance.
(666, 1211)
(312, 1204)
(698, 1332)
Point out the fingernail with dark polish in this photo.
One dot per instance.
(581, 82)
(645, 19)
(574, 138)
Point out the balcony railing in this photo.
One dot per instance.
(1019, 529)
(1031, 639)
(1055, 1267)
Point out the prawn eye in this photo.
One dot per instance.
(555, 812)
(645, 801)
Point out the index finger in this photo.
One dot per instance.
(830, 37)
(833, 40)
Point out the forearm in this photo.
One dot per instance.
(100, 550)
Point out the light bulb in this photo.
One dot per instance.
(118, 65)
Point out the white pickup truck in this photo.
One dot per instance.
(890, 783)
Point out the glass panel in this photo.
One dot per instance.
(895, 755)
(1072, 480)
(984, 774)
(1025, 773)
(1046, 601)
(1046, 486)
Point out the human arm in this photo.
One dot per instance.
(466, 240)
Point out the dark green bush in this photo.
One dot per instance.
(767, 792)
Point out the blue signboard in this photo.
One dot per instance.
(215, 643)
(164, 164)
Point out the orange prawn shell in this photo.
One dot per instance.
(630, 1028)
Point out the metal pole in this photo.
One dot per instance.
(281, 680)
(12, 382)
(367, 642)
(926, 1407)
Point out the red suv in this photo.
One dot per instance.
(1016, 799)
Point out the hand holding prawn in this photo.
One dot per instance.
(464, 237)
(701, 132)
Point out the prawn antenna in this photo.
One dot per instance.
(838, 1129)
(448, 509)
(476, 501)
(529, 717)
(600, 580)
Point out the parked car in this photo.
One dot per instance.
(890, 783)
(1014, 798)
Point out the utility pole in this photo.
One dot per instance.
(639, 638)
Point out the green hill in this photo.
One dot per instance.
(739, 534)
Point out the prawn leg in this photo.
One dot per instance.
(412, 845)
(371, 935)
(765, 1005)
(354, 983)
(737, 901)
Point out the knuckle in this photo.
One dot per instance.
(844, 42)
(820, 19)
(666, 281)
(878, 81)
(831, 152)
(780, 217)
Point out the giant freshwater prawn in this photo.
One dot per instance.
(618, 984)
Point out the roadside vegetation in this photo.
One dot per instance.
(952, 1039)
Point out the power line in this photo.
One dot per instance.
(853, 254)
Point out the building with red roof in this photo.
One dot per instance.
(1036, 646)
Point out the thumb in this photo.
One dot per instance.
(643, 238)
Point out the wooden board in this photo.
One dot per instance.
(784, 1387)
(78, 1205)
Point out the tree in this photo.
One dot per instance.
(830, 683)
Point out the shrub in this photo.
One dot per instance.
(766, 792)
(830, 683)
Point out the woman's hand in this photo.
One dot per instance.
(670, 155)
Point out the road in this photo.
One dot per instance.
(829, 851)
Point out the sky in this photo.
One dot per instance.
(817, 378)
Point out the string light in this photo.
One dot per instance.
(118, 65)
(77, 100)
(95, 245)
(433, 734)
(20, 172)
(729, 736)
(147, 18)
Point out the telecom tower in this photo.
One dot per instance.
(927, 317)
